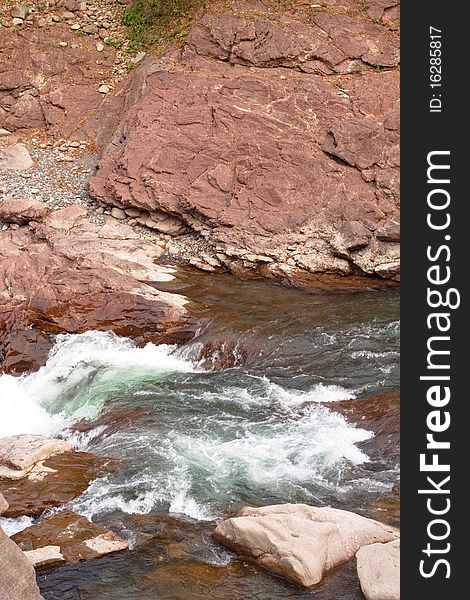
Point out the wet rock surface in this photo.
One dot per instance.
(78, 538)
(59, 480)
(19, 454)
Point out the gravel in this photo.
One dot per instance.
(57, 178)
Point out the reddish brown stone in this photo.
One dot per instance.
(78, 538)
(61, 479)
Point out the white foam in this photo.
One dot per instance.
(12, 526)
(72, 383)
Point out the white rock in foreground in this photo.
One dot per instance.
(300, 542)
(378, 569)
(19, 453)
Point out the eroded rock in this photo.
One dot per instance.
(53, 482)
(15, 210)
(300, 542)
(244, 137)
(15, 157)
(47, 556)
(78, 538)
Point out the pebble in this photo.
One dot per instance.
(104, 89)
(4, 132)
(16, 21)
(90, 29)
(14, 226)
(74, 144)
(118, 213)
(75, 27)
(99, 47)
(139, 57)
(63, 44)
(35, 191)
(41, 22)
(20, 11)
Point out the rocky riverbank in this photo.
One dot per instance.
(263, 143)
(262, 109)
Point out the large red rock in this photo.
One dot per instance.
(58, 480)
(72, 275)
(273, 138)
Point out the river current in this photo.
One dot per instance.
(242, 415)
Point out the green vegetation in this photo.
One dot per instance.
(152, 21)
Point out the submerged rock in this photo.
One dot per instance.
(300, 542)
(17, 576)
(76, 536)
(51, 483)
(274, 139)
(378, 569)
(20, 453)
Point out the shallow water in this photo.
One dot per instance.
(198, 442)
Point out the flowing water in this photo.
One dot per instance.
(236, 417)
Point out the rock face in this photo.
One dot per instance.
(77, 537)
(51, 483)
(300, 542)
(378, 569)
(71, 275)
(20, 453)
(17, 576)
(273, 137)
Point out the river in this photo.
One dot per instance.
(240, 415)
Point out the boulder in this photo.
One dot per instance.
(378, 569)
(77, 537)
(17, 576)
(51, 483)
(300, 542)
(15, 210)
(20, 453)
(15, 158)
